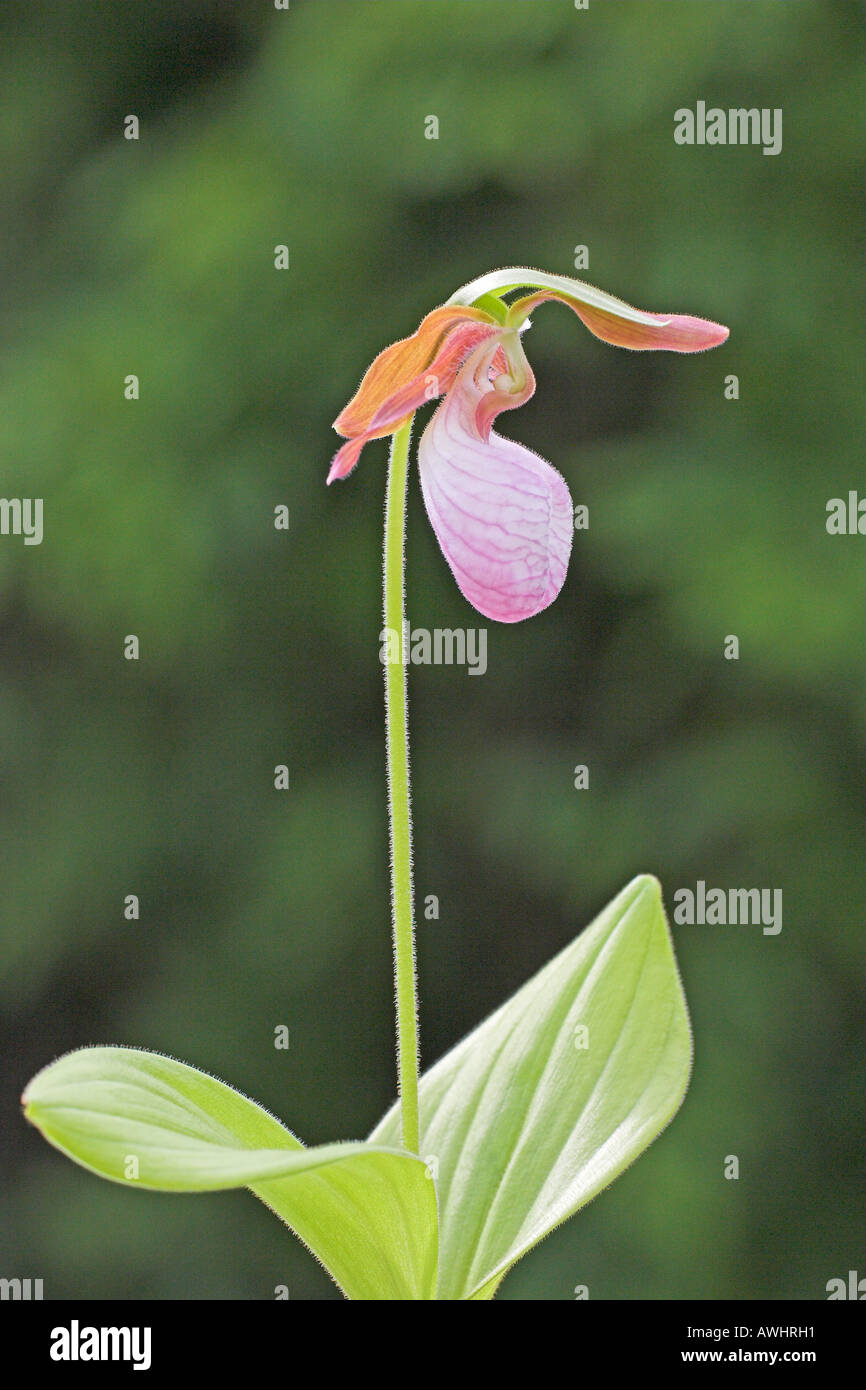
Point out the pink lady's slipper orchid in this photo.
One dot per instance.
(503, 516)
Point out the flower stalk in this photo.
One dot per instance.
(399, 812)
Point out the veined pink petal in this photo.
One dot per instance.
(502, 515)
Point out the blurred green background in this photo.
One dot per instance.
(707, 518)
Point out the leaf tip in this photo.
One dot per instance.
(647, 883)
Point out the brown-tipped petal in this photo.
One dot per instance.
(436, 379)
(400, 364)
(668, 332)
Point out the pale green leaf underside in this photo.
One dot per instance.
(368, 1212)
(524, 1125)
(499, 282)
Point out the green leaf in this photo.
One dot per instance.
(500, 282)
(526, 1125)
(368, 1212)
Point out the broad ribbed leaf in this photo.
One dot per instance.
(368, 1212)
(523, 1122)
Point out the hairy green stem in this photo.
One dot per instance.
(399, 815)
